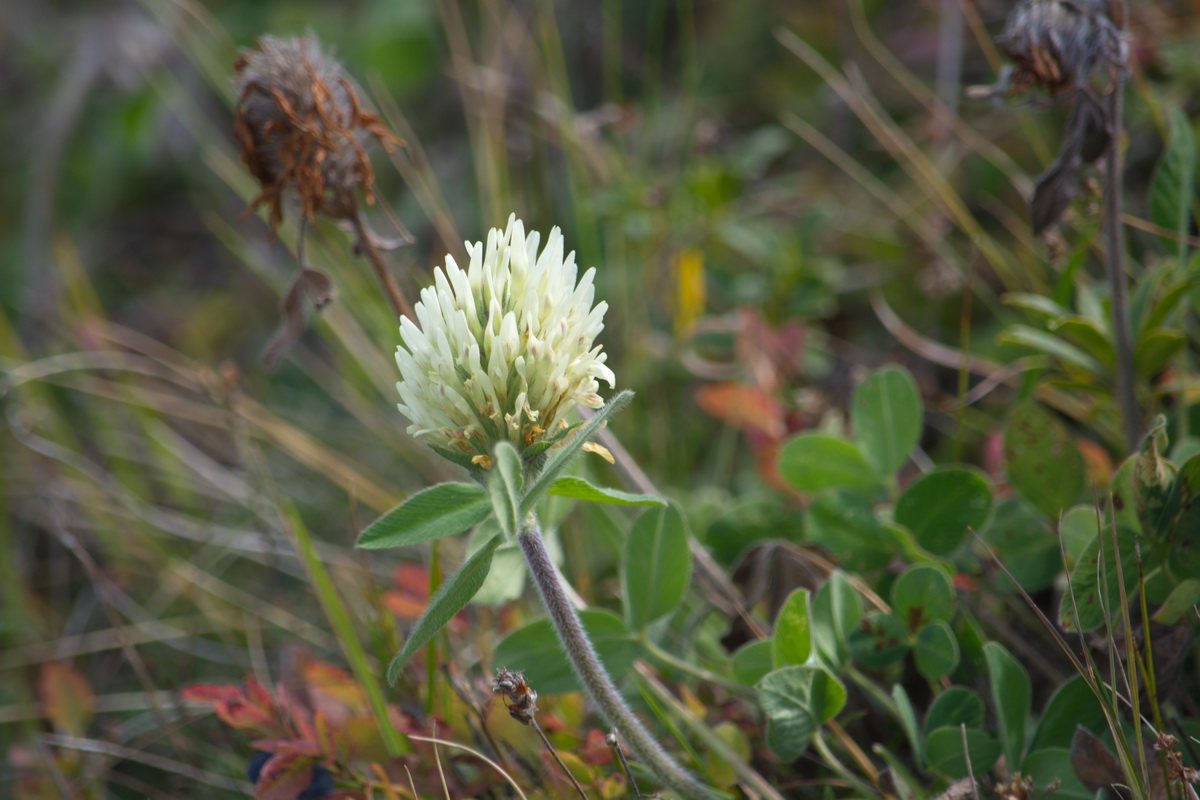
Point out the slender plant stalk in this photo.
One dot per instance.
(595, 680)
(396, 298)
(1115, 265)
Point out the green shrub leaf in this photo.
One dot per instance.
(1174, 182)
(1042, 462)
(1096, 588)
(944, 749)
(1073, 704)
(887, 418)
(921, 595)
(941, 506)
(953, 707)
(752, 661)
(791, 640)
(935, 651)
(836, 609)
(1052, 765)
(797, 700)
(813, 461)
(1011, 695)
(438, 511)
(878, 641)
(657, 566)
(844, 525)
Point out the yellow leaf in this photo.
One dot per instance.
(689, 289)
(66, 698)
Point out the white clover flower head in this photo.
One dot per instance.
(504, 349)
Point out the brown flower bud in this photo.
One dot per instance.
(303, 130)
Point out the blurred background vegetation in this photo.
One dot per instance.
(779, 197)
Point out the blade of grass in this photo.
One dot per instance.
(343, 628)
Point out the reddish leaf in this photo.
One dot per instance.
(237, 713)
(595, 749)
(257, 694)
(333, 691)
(301, 747)
(66, 698)
(299, 713)
(742, 406)
(209, 693)
(283, 777)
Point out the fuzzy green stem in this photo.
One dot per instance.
(595, 680)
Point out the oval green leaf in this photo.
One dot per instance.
(944, 749)
(1042, 462)
(1072, 705)
(752, 661)
(813, 461)
(836, 609)
(797, 700)
(657, 566)
(941, 506)
(1052, 765)
(846, 526)
(879, 640)
(438, 511)
(535, 650)
(953, 707)
(935, 651)
(1095, 588)
(1011, 694)
(887, 418)
(921, 595)
(791, 640)
(1173, 187)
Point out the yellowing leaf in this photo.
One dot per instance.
(66, 698)
(689, 289)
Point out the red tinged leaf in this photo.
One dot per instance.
(66, 698)
(744, 407)
(283, 777)
(292, 746)
(333, 691)
(257, 694)
(237, 713)
(299, 713)
(209, 693)
(595, 749)
(408, 600)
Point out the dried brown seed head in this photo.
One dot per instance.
(302, 128)
(1058, 44)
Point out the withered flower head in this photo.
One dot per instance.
(1058, 44)
(303, 129)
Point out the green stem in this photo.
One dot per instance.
(595, 680)
(1115, 268)
(675, 662)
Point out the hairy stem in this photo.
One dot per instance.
(595, 680)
